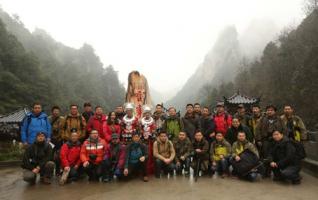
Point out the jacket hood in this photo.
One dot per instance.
(41, 115)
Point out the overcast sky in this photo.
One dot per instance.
(165, 40)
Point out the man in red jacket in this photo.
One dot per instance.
(92, 154)
(222, 120)
(97, 122)
(70, 158)
(114, 160)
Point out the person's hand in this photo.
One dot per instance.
(259, 144)
(67, 168)
(142, 158)
(178, 163)
(36, 170)
(76, 167)
(182, 158)
(221, 156)
(212, 135)
(273, 165)
(25, 145)
(85, 164)
(214, 163)
(198, 150)
(167, 161)
(126, 172)
(237, 158)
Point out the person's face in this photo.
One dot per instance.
(99, 111)
(74, 137)
(205, 112)
(270, 112)
(241, 137)
(37, 109)
(113, 116)
(159, 109)
(147, 115)
(277, 136)
(241, 110)
(129, 112)
(219, 137)
(94, 135)
(88, 109)
(136, 138)
(40, 138)
(235, 123)
(74, 110)
(189, 109)
(220, 109)
(256, 111)
(198, 136)
(163, 137)
(288, 110)
(182, 135)
(172, 112)
(115, 141)
(119, 109)
(56, 112)
(197, 108)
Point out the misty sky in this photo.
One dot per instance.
(165, 40)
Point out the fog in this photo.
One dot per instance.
(165, 40)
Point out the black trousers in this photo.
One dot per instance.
(94, 171)
(289, 173)
(135, 169)
(160, 165)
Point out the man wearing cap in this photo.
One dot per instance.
(222, 119)
(70, 158)
(37, 159)
(114, 159)
(129, 124)
(136, 158)
(268, 124)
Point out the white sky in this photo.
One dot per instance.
(165, 40)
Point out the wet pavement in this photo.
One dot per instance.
(13, 187)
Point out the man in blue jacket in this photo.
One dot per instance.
(34, 122)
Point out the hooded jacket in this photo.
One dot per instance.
(33, 124)
(70, 154)
(98, 124)
(163, 150)
(38, 154)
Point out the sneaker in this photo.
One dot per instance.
(63, 178)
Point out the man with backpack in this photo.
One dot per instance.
(285, 159)
(35, 122)
(74, 120)
(222, 119)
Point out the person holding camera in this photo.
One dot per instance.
(92, 155)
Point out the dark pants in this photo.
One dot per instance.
(46, 171)
(110, 169)
(138, 168)
(222, 166)
(184, 164)
(162, 166)
(289, 173)
(56, 155)
(265, 151)
(75, 173)
(94, 171)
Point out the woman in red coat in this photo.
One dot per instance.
(112, 126)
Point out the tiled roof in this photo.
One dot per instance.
(14, 117)
(238, 98)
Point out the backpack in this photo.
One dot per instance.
(300, 150)
(78, 118)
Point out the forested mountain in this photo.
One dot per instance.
(223, 61)
(286, 73)
(35, 67)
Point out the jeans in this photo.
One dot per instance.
(222, 166)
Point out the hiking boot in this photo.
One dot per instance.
(64, 177)
(46, 181)
(186, 173)
(296, 182)
(146, 179)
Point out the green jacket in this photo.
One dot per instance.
(173, 126)
(222, 147)
(266, 127)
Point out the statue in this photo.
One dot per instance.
(138, 92)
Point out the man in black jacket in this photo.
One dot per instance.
(283, 159)
(191, 123)
(37, 159)
(207, 125)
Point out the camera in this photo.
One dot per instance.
(92, 156)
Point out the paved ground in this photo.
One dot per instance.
(13, 187)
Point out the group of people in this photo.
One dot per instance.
(123, 145)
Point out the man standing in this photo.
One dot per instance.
(190, 122)
(222, 120)
(241, 114)
(207, 125)
(197, 110)
(172, 124)
(73, 121)
(97, 122)
(88, 111)
(256, 118)
(296, 129)
(159, 116)
(35, 122)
